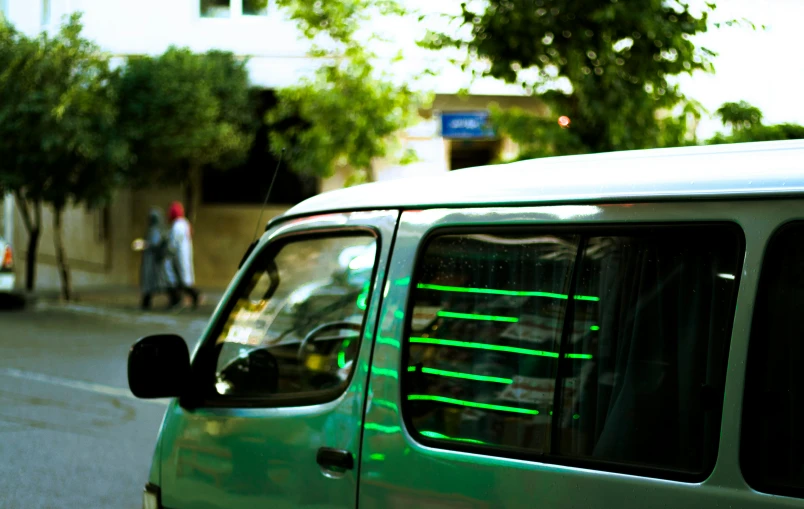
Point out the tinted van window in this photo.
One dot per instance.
(772, 452)
(632, 326)
(486, 329)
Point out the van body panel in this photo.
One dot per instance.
(253, 457)
(397, 471)
(213, 457)
(758, 170)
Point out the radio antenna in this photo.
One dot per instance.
(268, 195)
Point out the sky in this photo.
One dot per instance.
(762, 66)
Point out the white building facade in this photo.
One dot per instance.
(451, 135)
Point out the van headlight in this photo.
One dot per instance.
(151, 497)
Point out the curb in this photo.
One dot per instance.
(195, 324)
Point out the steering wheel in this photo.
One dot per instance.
(324, 327)
(256, 374)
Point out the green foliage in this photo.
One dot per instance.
(349, 113)
(58, 137)
(348, 117)
(746, 125)
(739, 115)
(22, 106)
(337, 19)
(536, 136)
(182, 111)
(58, 110)
(605, 65)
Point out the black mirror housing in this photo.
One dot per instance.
(159, 367)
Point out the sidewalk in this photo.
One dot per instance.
(125, 298)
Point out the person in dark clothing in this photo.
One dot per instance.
(154, 271)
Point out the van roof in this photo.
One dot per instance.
(701, 172)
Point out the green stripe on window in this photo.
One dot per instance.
(483, 346)
(579, 356)
(384, 372)
(472, 404)
(496, 348)
(513, 293)
(388, 341)
(467, 376)
(342, 353)
(472, 316)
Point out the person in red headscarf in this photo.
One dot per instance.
(180, 241)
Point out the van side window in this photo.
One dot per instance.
(294, 328)
(605, 348)
(772, 449)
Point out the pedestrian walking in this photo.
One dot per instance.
(180, 243)
(155, 276)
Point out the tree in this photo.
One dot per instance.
(745, 122)
(739, 115)
(88, 151)
(605, 66)
(21, 108)
(348, 114)
(348, 117)
(338, 20)
(59, 145)
(182, 112)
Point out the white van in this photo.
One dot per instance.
(606, 331)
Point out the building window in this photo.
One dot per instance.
(771, 456)
(599, 349)
(216, 8)
(45, 12)
(255, 7)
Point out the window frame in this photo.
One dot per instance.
(204, 364)
(245, 14)
(584, 231)
(746, 454)
(230, 15)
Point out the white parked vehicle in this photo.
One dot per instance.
(6, 267)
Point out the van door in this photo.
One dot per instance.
(280, 374)
(558, 356)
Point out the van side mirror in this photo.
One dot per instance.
(158, 367)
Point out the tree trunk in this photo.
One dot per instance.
(30, 259)
(61, 258)
(192, 194)
(33, 225)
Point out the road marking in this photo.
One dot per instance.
(107, 390)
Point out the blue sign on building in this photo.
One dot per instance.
(466, 125)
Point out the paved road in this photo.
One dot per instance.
(71, 434)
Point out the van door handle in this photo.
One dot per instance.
(335, 459)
